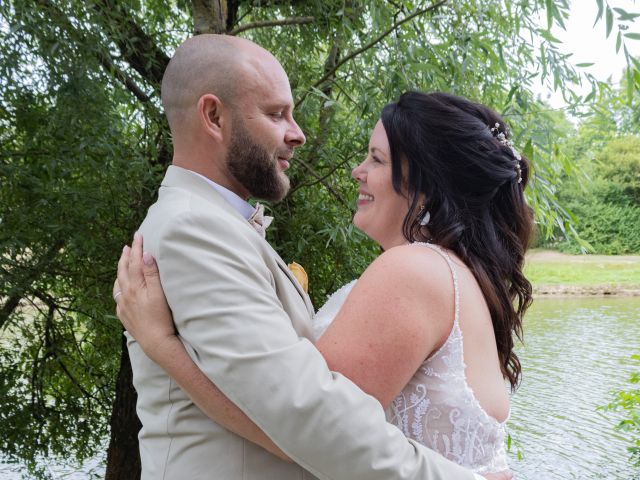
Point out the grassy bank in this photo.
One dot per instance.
(553, 272)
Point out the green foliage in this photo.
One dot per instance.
(628, 402)
(608, 228)
(83, 145)
(65, 212)
(608, 206)
(619, 167)
(465, 55)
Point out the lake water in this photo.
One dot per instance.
(577, 350)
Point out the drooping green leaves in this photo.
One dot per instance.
(83, 145)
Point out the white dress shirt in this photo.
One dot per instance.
(243, 207)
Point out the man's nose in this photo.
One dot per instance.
(294, 136)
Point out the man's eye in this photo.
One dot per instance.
(277, 114)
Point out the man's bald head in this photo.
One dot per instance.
(216, 64)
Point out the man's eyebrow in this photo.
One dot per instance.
(280, 103)
(276, 106)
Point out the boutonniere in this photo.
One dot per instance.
(300, 275)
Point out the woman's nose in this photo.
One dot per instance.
(358, 173)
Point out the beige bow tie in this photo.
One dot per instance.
(259, 220)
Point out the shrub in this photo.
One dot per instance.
(607, 208)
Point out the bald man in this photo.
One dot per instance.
(243, 318)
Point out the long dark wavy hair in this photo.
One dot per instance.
(442, 147)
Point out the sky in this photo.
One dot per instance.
(588, 43)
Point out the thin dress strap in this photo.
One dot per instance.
(456, 292)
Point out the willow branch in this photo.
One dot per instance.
(137, 47)
(128, 82)
(105, 59)
(19, 292)
(371, 44)
(322, 179)
(324, 182)
(9, 306)
(271, 23)
(77, 384)
(51, 348)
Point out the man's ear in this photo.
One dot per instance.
(212, 115)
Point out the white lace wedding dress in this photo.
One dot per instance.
(437, 407)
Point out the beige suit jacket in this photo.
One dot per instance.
(246, 322)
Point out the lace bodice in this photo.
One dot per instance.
(437, 407)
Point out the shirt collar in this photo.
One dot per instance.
(243, 207)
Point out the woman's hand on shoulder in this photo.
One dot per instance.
(399, 312)
(141, 304)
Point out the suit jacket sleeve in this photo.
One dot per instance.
(226, 309)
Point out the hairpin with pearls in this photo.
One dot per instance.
(502, 138)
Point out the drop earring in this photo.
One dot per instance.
(424, 216)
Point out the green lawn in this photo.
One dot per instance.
(544, 267)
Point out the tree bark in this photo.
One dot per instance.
(209, 16)
(123, 455)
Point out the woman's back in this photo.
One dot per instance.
(438, 406)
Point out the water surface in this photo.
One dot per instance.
(577, 350)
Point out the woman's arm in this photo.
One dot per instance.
(142, 308)
(380, 361)
(399, 311)
(393, 318)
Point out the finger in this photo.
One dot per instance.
(116, 291)
(122, 321)
(150, 269)
(135, 261)
(123, 269)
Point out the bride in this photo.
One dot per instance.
(428, 329)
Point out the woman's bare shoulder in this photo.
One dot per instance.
(411, 266)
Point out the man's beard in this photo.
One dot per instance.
(252, 165)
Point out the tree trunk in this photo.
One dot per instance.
(209, 16)
(123, 456)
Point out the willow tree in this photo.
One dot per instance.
(84, 144)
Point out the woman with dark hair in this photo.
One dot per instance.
(428, 328)
(441, 191)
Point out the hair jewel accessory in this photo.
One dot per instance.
(502, 138)
(519, 171)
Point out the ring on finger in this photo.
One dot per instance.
(116, 295)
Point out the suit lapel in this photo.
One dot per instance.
(178, 177)
(181, 178)
(283, 266)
